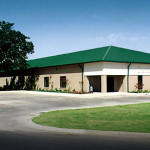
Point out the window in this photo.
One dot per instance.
(140, 82)
(46, 81)
(63, 81)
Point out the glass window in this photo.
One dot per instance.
(46, 81)
(63, 81)
(140, 82)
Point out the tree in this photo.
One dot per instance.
(14, 48)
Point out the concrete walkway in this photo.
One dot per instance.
(89, 95)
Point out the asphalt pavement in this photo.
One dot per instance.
(18, 132)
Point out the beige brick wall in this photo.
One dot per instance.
(133, 80)
(125, 84)
(146, 82)
(73, 75)
(3, 81)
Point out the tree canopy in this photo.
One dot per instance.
(14, 48)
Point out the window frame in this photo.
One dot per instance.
(63, 84)
(46, 83)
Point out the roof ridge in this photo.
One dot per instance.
(106, 53)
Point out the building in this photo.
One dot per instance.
(108, 69)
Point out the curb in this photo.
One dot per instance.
(84, 131)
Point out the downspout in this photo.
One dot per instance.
(128, 77)
(82, 75)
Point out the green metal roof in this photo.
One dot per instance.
(108, 53)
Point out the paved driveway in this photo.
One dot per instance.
(17, 109)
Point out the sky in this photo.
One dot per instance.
(63, 26)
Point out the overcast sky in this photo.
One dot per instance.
(63, 26)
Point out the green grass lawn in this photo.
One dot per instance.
(130, 118)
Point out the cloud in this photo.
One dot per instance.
(138, 38)
(98, 39)
(134, 39)
(114, 35)
(113, 38)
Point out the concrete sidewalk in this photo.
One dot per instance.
(89, 95)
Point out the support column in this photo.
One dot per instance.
(125, 84)
(104, 83)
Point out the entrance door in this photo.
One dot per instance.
(110, 84)
(96, 83)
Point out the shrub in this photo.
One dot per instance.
(66, 91)
(145, 91)
(139, 86)
(1, 88)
